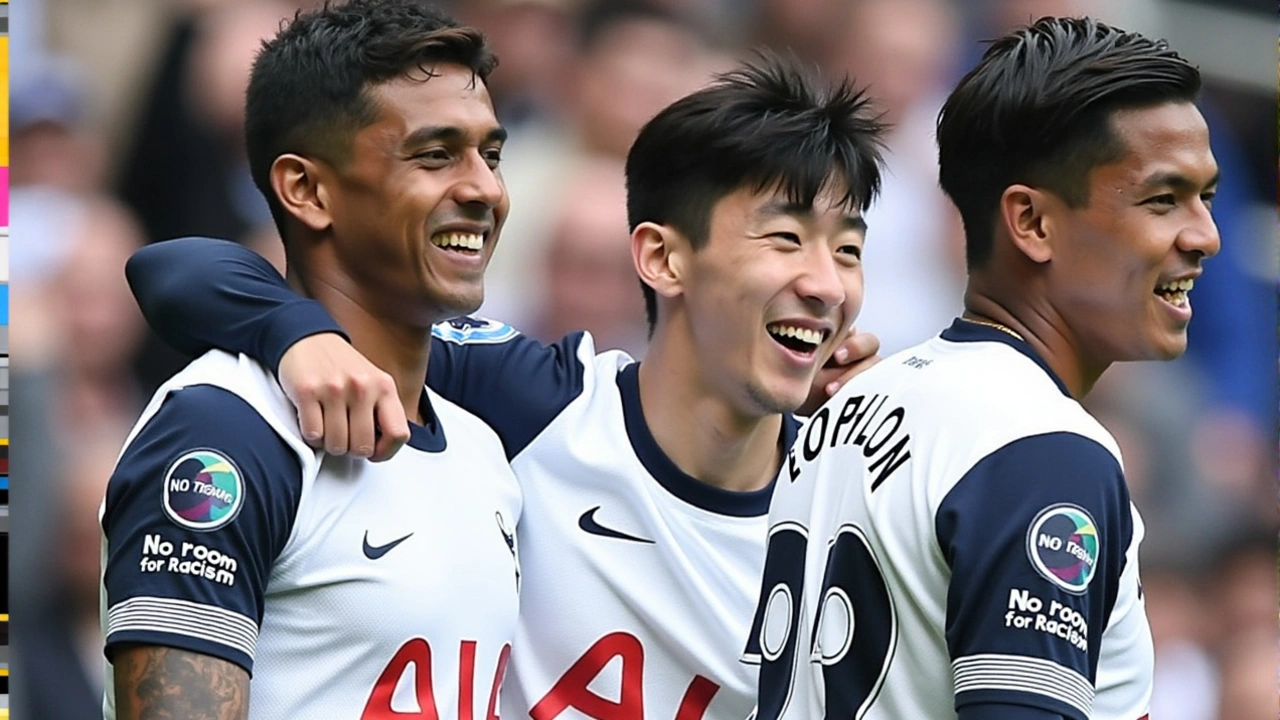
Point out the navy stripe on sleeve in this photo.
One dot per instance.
(199, 507)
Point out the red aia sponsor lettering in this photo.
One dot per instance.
(418, 652)
(570, 691)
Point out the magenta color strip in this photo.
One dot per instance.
(4, 197)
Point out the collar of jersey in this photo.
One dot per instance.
(428, 437)
(962, 332)
(752, 503)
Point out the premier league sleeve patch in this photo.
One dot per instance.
(203, 490)
(1063, 546)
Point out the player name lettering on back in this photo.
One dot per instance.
(1028, 612)
(187, 558)
(871, 423)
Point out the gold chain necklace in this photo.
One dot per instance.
(991, 324)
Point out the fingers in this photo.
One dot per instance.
(855, 347)
(393, 428)
(360, 421)
(345, 403)
(336, 437)
(857, 352)
(853, 370)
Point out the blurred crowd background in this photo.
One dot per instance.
(127, 130)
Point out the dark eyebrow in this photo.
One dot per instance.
(449, 133)
(1177, 181)
(775, 209)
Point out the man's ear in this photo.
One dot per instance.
(1028, 215)
(300, 189)
(660, 253)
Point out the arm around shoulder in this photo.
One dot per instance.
(200, 293)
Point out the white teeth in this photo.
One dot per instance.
(805, 335)
(466, 241)
(1174, 286)
(1175, 291)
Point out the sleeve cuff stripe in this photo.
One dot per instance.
(1012, 672)
(183, 617)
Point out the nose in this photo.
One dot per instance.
(820, 283)
(479, 183)
(1201, 236)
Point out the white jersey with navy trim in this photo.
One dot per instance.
(348, 589)
(953, 530)
(638, 581)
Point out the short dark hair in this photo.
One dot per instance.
(308, 91)
(1037, 110)
(770, 123)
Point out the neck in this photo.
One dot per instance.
(398, 349)
(701, 431)
(1044, 330)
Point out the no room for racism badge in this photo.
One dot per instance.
(203, 490)
(1063, 546)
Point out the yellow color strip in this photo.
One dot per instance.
(4, 100)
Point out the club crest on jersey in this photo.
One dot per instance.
(1063, 546)
(473, 330)
(203, 490)
(509, 535)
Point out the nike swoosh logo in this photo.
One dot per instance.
(374, 552)
(588, 523)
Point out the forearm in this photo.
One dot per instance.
(201, 294)
(160, 683)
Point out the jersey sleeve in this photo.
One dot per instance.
(516, 384)
(199, 506)
(200, 294)
(1035, 535)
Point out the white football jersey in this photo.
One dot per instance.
(952, 529)
(349, 589)
(638, 582)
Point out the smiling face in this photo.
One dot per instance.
(768, 295)
(1120, 274)
(417, 207)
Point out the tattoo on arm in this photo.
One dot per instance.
(160, 683)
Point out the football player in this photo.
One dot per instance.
(952, 535)
(234, 550)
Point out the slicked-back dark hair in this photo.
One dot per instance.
(770, 123)
(1037, 110)
(308, 91)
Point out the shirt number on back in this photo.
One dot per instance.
(855, 627)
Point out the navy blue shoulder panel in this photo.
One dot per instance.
(200, 294)
(514, 383)
(198, 509)
(1035, 535)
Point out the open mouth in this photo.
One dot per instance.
(804, 341)
(464, 242)
(1175, 292)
